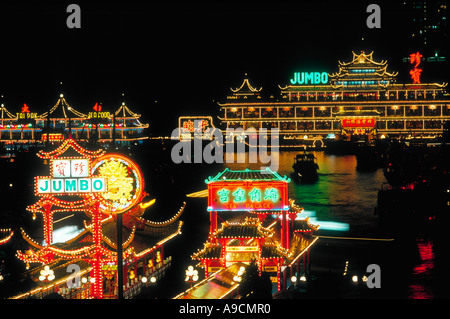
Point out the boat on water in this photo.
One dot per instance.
(305, 167)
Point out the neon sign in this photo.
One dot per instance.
(202, 125)
(365, 123)
(70, 185)
(415, 58)
(71, 168)
(52, 137)
(25, 109)
(70, 177)
(124, 179)
(25, 113)
(255, 195)
(310, 78)
(97, 107)
(247, 195)
(195, 126)
(99, 115)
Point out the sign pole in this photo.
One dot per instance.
(114, 131)
(119, 257)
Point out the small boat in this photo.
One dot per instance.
(305, 167)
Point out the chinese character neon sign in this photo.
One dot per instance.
(364, 123)
(310, 78)
(239, 195)
(247, 195)
(25, 109)
(195, 126)
(223, 195)
(415, 58)
(70, 176)
(25, 113)
(255, 195)
(97, 107)
(271, 194)
(202, 125)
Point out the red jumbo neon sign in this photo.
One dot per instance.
(247, 195)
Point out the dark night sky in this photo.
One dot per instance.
(181, 54)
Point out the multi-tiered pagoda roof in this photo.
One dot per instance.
(362, 71)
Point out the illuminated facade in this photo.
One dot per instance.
(27, 127)
(70, 189)
(361, 98)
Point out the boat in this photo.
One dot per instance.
(305, 167)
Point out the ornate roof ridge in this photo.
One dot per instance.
(166, 222)
(362, 58)
(5, 111)
(303, 225)
(251, 222)
(125, 110)
(65, 107)
(246, 86)
(70, 143)
(235, 175)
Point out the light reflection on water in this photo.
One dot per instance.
(421, 273)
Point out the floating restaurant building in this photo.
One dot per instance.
(362, 98)
(266, 229)
(118, 247)
(27, 127)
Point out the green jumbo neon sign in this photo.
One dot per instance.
(310, 78)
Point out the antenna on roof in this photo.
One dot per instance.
(61, 88)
